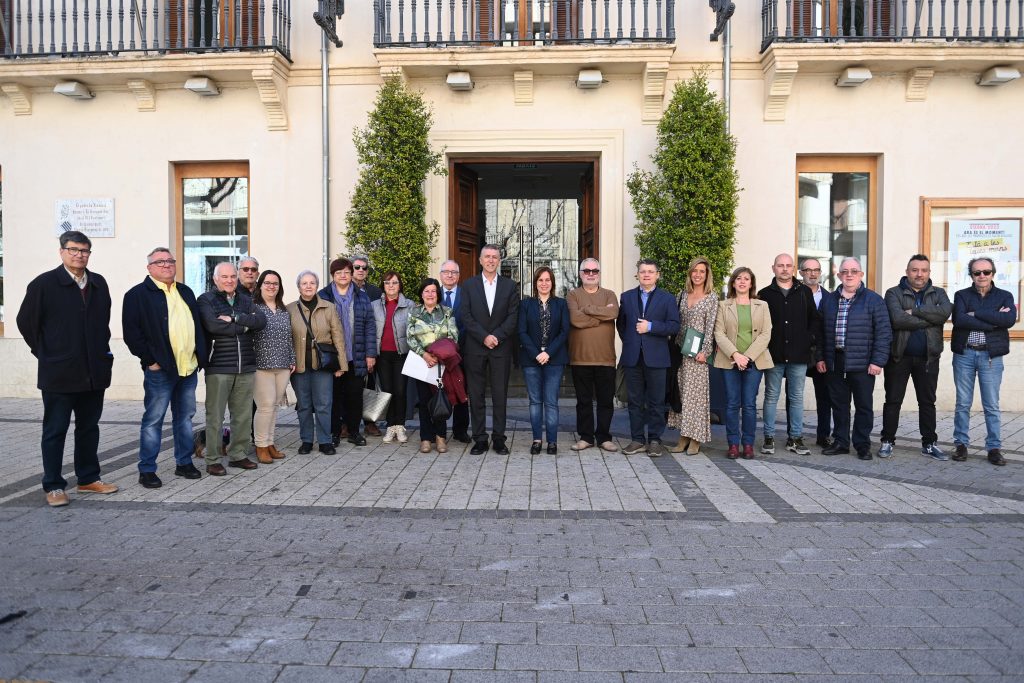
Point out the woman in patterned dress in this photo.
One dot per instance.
(275, 362)
(698, 307)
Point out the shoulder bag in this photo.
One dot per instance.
(326, 354)
(439, 407)
(375, 401)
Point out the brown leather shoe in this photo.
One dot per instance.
(243, 464)
(372, 429)
(216, 470)
(425, 446)
(57, 498)
(681, 446)
(274, 453)
(263, 455)
(442, 445)
(97, 487)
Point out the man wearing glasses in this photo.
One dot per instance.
(248, 273)
(982, 317)
(451, 298)
(811, 273)
(593, 311)
(65, 320)
(856, 338)
(360, 273)
(161, 323)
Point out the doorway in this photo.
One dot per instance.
(540, 212)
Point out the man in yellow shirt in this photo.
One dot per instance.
(162, 327)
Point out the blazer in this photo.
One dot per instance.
(478, 323)
(144, 321)
(663, 314)
(727, 327)
(326, 330)
(529, 332)
(68, 334)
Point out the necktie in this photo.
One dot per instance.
(448, 298)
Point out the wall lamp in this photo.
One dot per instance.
(201, 85)
(459, 80)
(998, 75)
(74, 90)
(853, 76)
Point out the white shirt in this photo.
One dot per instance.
(490, 291)
(80, 281)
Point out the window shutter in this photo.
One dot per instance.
(565, 19)
(485, 13)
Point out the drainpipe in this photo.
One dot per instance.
(325, 134)
(727, 73)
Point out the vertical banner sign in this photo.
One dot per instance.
(94, 217)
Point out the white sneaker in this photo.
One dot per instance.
(390, 435)
(400, 434)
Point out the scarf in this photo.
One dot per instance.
(344, 305)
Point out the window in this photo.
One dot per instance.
(953, 231)
(212, 218)
(835, 216)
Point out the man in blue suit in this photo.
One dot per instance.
(450, 297)
(648, 316)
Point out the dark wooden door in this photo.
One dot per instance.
(588, 214)
(464, 243)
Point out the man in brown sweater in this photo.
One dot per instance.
(592, 313)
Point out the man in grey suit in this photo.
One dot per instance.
(489, 313)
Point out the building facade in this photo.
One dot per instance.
(872, 128)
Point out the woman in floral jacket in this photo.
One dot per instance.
(428, 323)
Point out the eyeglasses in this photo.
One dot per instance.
(391, 283)
(271, 284)
(163, 263)
(811, 270)
(249, 269)
(591, 271)
(986, 273)
(361, 267)
(449, 272)
(75, 251)
(844, 273)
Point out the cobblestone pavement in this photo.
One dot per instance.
(381, 564)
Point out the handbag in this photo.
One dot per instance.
(375, 402)
(439, 407)
(326, 354)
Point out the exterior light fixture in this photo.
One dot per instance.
(998, 75)
(588, 79)
(460, 80)
(73, 89)
(853, 76)
(201, 85)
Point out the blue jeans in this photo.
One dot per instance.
(796, 376)
(741, 396)
(542, 382)
(314, 395)
(990, 375)
(645, 388)
(163, 391)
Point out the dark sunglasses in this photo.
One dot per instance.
(590, 271)
(361, 267)
(981, 272)
(249, 269)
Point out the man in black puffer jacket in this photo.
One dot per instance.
(229, 319)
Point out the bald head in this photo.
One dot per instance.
(783, 269)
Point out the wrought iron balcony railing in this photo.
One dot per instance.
(449, 23)
(891, 20)
(73, 28)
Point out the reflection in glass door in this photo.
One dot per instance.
(534, 233)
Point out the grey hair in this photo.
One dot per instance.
(590, 259)
(359, 257)
(249, 258)
(303, 274)
(970, 264)
(158, 250)
(856, 260)
(451, 261)
(216, 268)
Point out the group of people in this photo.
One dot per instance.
(333, 342)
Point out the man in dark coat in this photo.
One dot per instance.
(450, 297)
(160, 319)
(361, 280)
(855, 335)
(65, 320)
(811, 272)
(648, 316)
(229, 318)
(489, 313)
(918, 312)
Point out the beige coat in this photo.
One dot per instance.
(727, 326)
(326, 330)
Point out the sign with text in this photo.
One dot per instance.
(994, 238)
(94, 217)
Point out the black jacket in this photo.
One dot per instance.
(794, 322)
(231, 343)
(69, 334)
(144, 321)
(986, 318)
(930, 317)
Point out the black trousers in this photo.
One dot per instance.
(389, 373)
(926, 379)
(860, 387)
(87, 406)
(594, 383)
(429, 429)
(347, 403)
(823, 401)
(460, 418)
(479, 370)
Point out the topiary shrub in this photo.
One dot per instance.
(388, 217)
(686, 206)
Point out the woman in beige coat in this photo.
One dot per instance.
(314, 387)
(743, 329)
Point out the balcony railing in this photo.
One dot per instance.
(447, 23)
(890, 20)
(72, 28)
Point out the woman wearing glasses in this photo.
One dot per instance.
(391, 313)
(743, 329)
(429, 323)
(698, 310)
(275, 361)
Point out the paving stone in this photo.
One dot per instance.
(64, 642)
(578, 677)
(377, 655)
(406, 676)
(866, 662)
(948, 662)
(217, 648)
(636, 658)
(771, 661)
(163, 670)
(537, 658)
(303, 673)
(140, 645)
(704, 659)
(273, 627)
(70, 668)
(288, 651)
(494, 677)
(454, 656)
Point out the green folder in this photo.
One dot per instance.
(692, 342)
